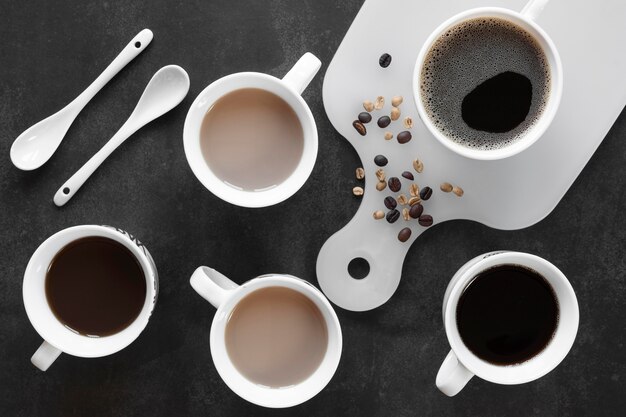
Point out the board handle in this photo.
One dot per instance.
(376, 242)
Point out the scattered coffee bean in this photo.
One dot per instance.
(416, 211)
(380, 160)
(403, 137)
(384, 60)
(404, 234)
(368, 105)
(414, 190)
(381, 185)
(379, 214)
(390, 202)
(394, 184)
(446, 187)
(383, 121)
(403, 200)
(405, 214)
(392, 216)
(379, 103)
(418, 166)
(408, 175)
(396, 101)
(425, 193)
(408, 122)
(365, 117)
(358, 191)
(360, 127)
(414, 200)
(388, 135)
(395, 113)
(380, 174)
(458, 191)
(425, 220)
(360, 173)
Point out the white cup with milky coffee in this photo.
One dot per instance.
(250, 138)
(275, 340)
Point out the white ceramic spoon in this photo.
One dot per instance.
(167, 88)
(36, 145)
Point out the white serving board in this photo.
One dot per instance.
(508, 194)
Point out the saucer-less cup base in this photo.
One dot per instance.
(289, 89)
(57, 337)
(224, 294)
(461, 364)
(525, 19)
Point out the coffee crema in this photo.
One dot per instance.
(252, 139)
(485, 82)
(507, 314)
(95, 286)
(276, 337)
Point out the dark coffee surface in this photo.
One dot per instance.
(507, 314)
(468, 87)
(95, 286)
(50, 51)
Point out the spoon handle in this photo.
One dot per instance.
(130, 52)
(71, 186)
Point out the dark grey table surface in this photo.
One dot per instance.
(51, 50)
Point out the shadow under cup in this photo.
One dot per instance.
(193, 148)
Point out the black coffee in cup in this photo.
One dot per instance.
(507, 314)
(485, 82)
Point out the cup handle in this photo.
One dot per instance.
(301, 74)
(212, 285)
(533, 8)
(45, 355)
(452, 375)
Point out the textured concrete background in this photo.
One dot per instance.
(51, 50)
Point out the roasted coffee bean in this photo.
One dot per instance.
(379, 214)
(394, 184)
(365, 117)
(384, 121)
(446, 187)
(357, 191)
(408, 175)
(416, 211)
(404, 234)
(360, 173)
(381, 185)
(392, 216)
(426, 193)
(425, 220)
(380, 160)
(390, 202)
(384, 60)
(360, 127)
(403, 137)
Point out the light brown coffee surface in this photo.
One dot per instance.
(276, 337)
(251, 139)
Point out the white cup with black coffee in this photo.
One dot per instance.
(89, 292)
(250, 138)
(510, 318)
(488, 81)
(275, 340)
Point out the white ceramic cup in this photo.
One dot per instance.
(57, 337)
(461, 364)
(289, 89)
(525, 19)
(224, 294)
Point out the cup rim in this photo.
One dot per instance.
(59, 336)
(549, 112)
(285, 396)
(201, 169)
(546, 360)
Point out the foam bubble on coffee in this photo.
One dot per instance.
(470, 53)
